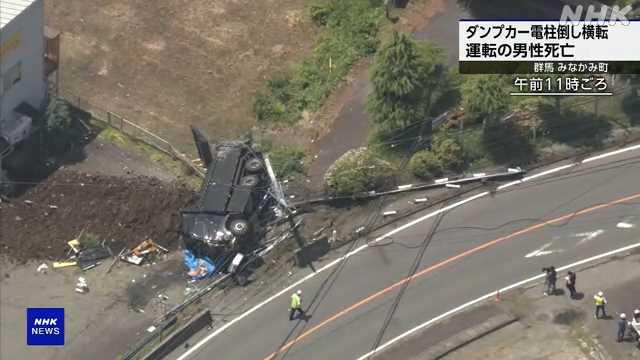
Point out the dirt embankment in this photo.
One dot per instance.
(123, 211)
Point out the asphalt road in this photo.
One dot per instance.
(352, 333)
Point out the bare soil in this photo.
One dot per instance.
(122, 211)
(167, 64)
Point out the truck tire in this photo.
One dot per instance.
(239, 227)
(249, 181)
(241, 280)
(253, 165)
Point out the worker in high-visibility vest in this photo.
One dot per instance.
(296, 305)
(600, 302)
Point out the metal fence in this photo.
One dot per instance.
(131, 129)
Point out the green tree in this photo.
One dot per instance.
(61, 132)
(486, 98)
(404, 78)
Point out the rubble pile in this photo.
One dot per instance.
(122, 211)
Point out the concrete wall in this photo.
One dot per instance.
(23, 41)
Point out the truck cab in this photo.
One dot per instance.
(225, 218)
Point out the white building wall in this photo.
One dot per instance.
(28, 28)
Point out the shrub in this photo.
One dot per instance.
(448, 151)
(271, 102)
(358, 170)
(507, 143)
(352, 32)
(575, 127)
(287, 161)
(425, 164)
(61, 132)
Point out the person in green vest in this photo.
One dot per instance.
(600, 302)
(296, 305)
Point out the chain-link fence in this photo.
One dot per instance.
(131, 129)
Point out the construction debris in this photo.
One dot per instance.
(43, 268)
(142, 252)
(81, 285)
(199, 268)
(63, 264)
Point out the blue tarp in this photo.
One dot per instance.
(199, 268)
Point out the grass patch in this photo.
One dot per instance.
(352, 31)
(288, 162)
(166, 162)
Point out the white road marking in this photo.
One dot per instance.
(288, 289)
(489, 296)
(588, 236)
(542, 251)
(625, 225)
(611, 153)
(198, 345)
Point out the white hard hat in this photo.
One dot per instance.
(600, 293)
(299, 292)
(636, 311)
(623, 315)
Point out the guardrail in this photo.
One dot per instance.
(446, 182)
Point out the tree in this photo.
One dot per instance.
(61, 132)
(404, 78)
(486, 98)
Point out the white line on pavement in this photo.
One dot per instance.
(198, 345)
(624, 225)
(611, 153)
(488, 296)
(322, 269)
(542, 251)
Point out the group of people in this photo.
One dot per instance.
(551, 277)
(633, 326)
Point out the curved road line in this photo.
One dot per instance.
(257, 307)
(438, 265)
(488, 296)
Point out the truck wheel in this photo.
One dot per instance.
(253, 165)
(249, 181)
(239, 227)
(241, 280)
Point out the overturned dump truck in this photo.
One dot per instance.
(226, 223)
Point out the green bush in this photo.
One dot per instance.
(271, 103)
(448, 151)
(287, 161)
(425, 164)
(61, 133)
(351, 32)
(507, 143)
(575, 127)
(473, 145)
(356, 171)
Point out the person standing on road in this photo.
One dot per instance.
(550, 280)
(571, 284)
(296, 305)
(600, 302)
(622, 327)
(634, 329)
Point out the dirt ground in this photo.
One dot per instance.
(167, 64)
(122, 211)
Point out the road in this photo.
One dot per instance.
(520, 230)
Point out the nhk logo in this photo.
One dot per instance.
(45, 326)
